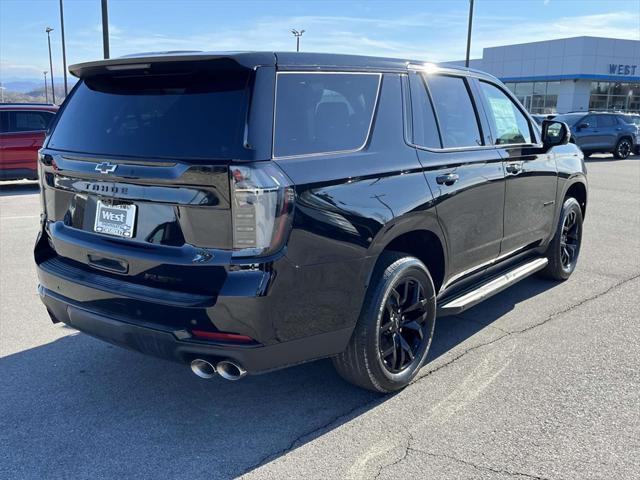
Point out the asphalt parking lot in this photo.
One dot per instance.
(541, 381)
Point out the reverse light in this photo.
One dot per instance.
(262, 204)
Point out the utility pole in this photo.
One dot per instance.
(64, 50)
(53, 90)
(466, 63)
(46, 92)
(105, 28)
(297, 34)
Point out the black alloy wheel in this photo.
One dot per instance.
(623, 149)
(564, 248)
(403, 325)
(391, 338)
(570, 240)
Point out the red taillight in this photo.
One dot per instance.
(224, 337)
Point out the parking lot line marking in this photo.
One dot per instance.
(19, 216)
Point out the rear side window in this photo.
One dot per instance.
(509, 123)
(196, 114)
(24, 121)
(606, 121)
(425, 129)
(323, 112)
(455, 111)
(29, 121)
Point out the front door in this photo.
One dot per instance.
(531, 175)
(587, 134)
(465, 175)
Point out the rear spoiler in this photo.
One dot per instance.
(144, 62)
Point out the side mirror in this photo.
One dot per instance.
(555, 133)
(583, 125)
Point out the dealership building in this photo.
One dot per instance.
(569, 74)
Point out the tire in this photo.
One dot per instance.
(564, 249)
(623, 148)
(386, 322)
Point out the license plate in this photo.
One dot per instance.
(115, 219)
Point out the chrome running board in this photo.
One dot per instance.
(470, 298)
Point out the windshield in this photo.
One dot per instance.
(178, 115)
(569, 118)
(633, 119)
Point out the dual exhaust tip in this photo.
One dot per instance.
(226, 369)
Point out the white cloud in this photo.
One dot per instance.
(438, 36)
(399, 37)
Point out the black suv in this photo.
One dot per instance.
(600, 132)
(247, 212)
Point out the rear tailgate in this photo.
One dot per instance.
(135, 175)
(181, 219)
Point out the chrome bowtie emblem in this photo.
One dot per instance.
(106, 167)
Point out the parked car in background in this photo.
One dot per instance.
(539, 118)
(601, 132)
(634, 119)
(246, 212)
(22, 130)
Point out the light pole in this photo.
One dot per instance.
(64, 50)
(46, 92)
(297, 34)
(105, 28)
(53, 90)
(466, 63)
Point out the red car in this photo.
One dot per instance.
(22, 130)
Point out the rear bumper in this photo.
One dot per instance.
(18, 174)
(164, 343)
(294, 313)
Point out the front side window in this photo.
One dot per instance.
(455, 112)
(4, 122)
(509, 123)
(323, 112)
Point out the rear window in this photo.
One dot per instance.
(323, 112)
(189, 115)
(634, 120)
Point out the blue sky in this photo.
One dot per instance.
(421, 29)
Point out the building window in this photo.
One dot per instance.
(615, 96)
(537, 97)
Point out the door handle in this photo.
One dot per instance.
(514, 168)
(447, 179)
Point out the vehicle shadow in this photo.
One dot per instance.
(18, 188)
(78, 407)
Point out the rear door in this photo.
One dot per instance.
(531, 175)
(609, 130)
(465, 174)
